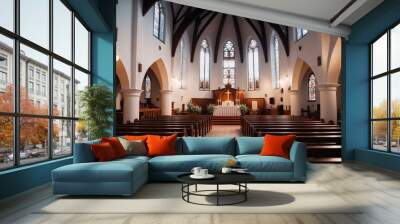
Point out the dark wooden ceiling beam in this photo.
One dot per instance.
(218, 37)
(284, 36)
(189, 18)
(198, 31)
(236, 26)
(147, 4)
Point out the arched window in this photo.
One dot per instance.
(253, 66)
(147, 87)
(159, 21)
(182, 46)
(275, 61)
(300, 33)
(229, 63)
(204, 65)
(311, 88)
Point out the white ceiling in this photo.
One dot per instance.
(311, 14)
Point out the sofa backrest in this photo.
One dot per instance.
(206, 145)
(83, 152)
(249, 145)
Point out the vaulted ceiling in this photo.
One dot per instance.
(185, 17)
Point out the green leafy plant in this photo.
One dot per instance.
(96, 103)
(243, 109)
(210, 109)
(194, 109)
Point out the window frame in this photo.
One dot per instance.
(16, 115)
(207, 50)
(249, 48)
(388, 74)
(315, 88)
(160, 12)
(229, 58)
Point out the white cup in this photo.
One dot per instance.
(226, 170)
(196, 171)
(203, 172)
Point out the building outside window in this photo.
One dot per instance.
(385, 94)
(253, 70)
(55, 131)
(204, 65)
(229, 64)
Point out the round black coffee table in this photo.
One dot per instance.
(238, 179)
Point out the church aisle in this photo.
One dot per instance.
(225, 130)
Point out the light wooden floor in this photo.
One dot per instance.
(377, 189)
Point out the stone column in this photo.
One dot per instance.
(295, 106)
(328, 101)
(131, 104)
(166, 102)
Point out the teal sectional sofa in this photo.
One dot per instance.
(125, 176)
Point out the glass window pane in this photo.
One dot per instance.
(395, 136)
(81, 81)
(395, 95)
(6, 74)
(395, 47)
(34, 96)
(81, 45)
(379, 135)
(6, 142)
(62, 29)
(81, 131)
(35, 21)
(7, 14)
(62, 138)
(33, 140)
(379, 56)
(62, 89)
(379, 98)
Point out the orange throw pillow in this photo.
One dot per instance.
(277, 145)
(161, 145)
(116, 145)
(103, 152)
(135, 137)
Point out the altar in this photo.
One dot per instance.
(227, 101)
(227, 111)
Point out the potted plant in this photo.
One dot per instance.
(210, 109)
(96, 103)
(243, 109)
(191, 108)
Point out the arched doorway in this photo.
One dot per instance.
(304, 98)
(157, 82)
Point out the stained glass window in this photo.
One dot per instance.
(275, 61)
(311, 88)
(229, 63)
(253, 66)
(204, 66)
(159, 21)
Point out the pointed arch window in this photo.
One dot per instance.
(147, 87)
(253, 66)
(300, 33)
(204, 65)
(275, 61)
(229, 63)
(182, 48)
(311, 88)
(159, 21)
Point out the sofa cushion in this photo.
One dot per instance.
(103, 152)
(83, 152)
(277, 145)
(134, 147)
(249, 145)
(112, 171)
(185, 163)
(208, 145)
(161, 145)
(116, 145)
(257, 163)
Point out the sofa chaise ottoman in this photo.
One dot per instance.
(125, 176)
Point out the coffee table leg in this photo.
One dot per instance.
(217, 194)
(196, 187)
(245, 193)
